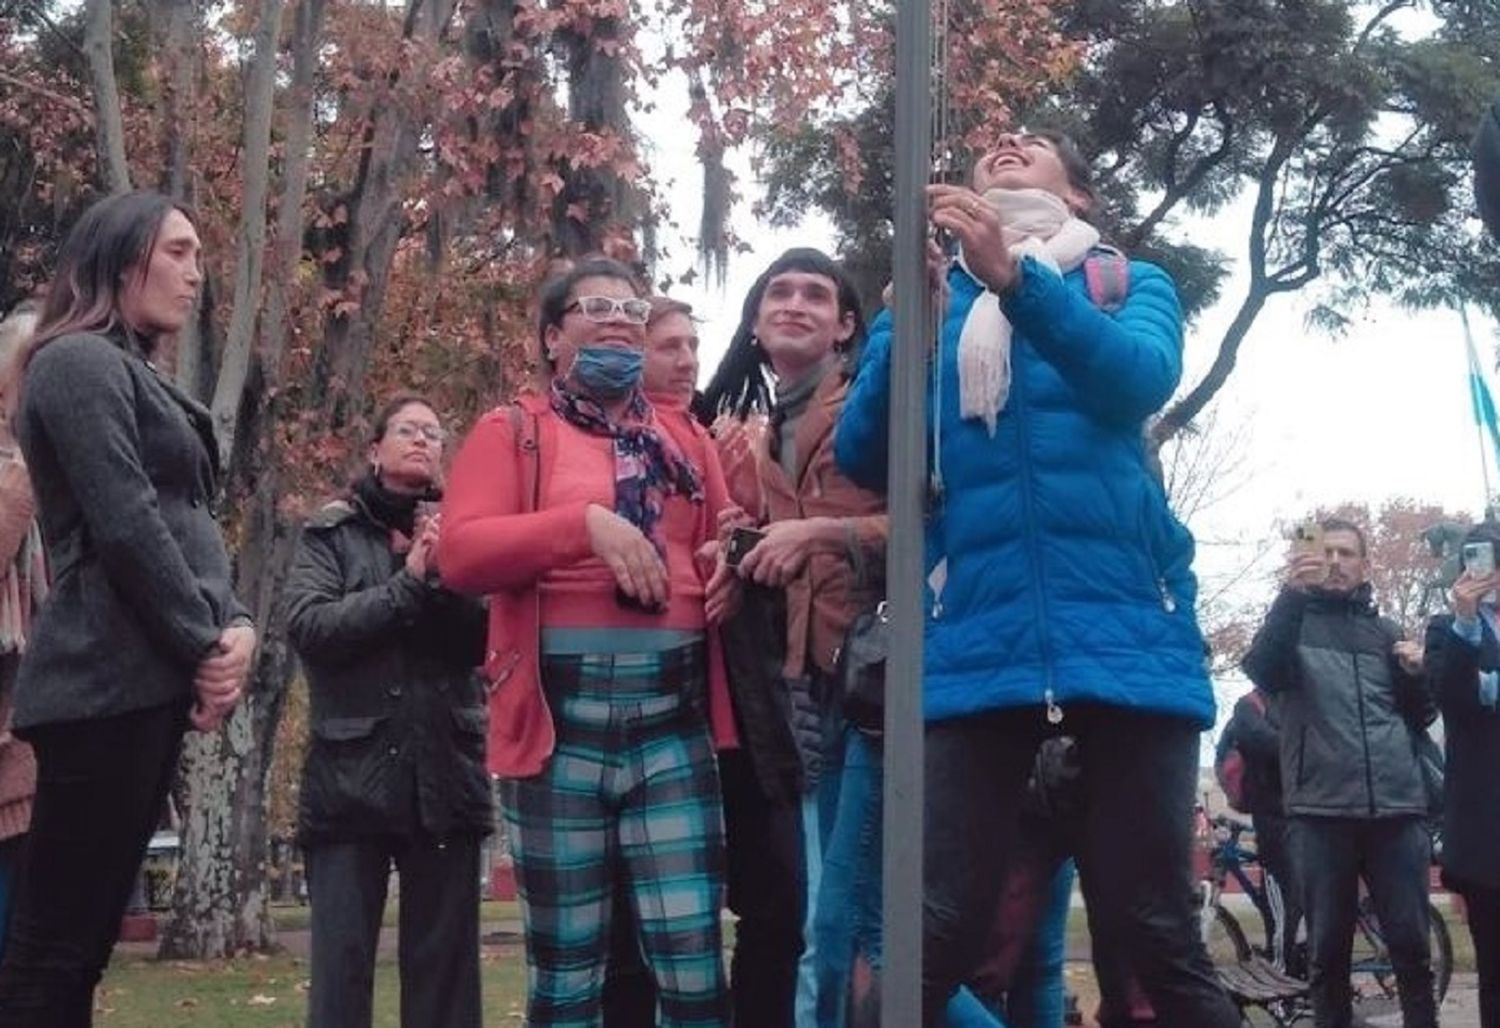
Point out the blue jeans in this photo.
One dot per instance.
(819, 807)
(10, 857)
(848, 919)
(1036, 997)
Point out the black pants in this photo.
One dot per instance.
(1483, 906)
(1134, 851)
(1273, 841)
(1392, 855)
(766, 895)
(99, 793)
(438, 935)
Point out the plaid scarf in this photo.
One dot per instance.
(648, 466)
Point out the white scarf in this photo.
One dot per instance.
(1035, 223)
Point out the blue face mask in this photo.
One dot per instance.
(608, 372)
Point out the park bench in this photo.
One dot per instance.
(1255, 983)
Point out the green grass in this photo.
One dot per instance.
(269, 992)
(296, 918)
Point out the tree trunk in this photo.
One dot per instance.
(174, 24)
(307, 31)
(1263, 285)
(260, 94)
(593, 198)
(1182, 413)
(219, 905)
(220, 902)
(109, 127)
(375, 227)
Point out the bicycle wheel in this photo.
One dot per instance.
(1225, 939)
(1374, 977)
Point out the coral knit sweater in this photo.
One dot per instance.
(531, 555)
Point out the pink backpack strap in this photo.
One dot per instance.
(1106, 272)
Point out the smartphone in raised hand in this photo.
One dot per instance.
(1479, 562)
(1479, 558)
(1307, 537)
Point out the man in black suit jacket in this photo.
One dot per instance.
(1462, 658)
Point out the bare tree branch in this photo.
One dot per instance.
(32, 87)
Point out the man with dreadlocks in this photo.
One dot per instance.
(775, 399)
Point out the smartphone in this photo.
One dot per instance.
(741, 542)
(627, 602)
(1308, 537)
(1479, 558)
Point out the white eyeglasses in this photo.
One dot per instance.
(604, 308)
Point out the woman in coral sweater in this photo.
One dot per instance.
(587, 528)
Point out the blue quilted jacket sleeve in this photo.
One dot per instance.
(1124, 366)
(861, 438)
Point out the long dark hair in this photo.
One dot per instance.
(114, 236)
(739, 384)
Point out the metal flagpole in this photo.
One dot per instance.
(1474, 397)
(901, 977)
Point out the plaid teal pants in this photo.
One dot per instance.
(630, 796)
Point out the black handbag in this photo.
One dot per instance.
(861, 668)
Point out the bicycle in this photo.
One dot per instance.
(1371, 971)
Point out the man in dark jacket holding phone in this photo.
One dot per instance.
(1354, 706)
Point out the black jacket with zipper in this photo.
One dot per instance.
(1351, 717)
(1471, 815)
(397, 713)
(1255, 730)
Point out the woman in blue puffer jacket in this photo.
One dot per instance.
(1059, 593)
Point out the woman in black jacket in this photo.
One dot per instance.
(395, 764)
(141, 632)
(1462, 658)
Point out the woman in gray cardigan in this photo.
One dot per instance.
(141, 633)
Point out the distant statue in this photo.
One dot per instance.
(1445, 541)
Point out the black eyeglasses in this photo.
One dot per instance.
(605, 308)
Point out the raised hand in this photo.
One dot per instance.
(1306, 571)
(976, 223)
(1468, 591)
